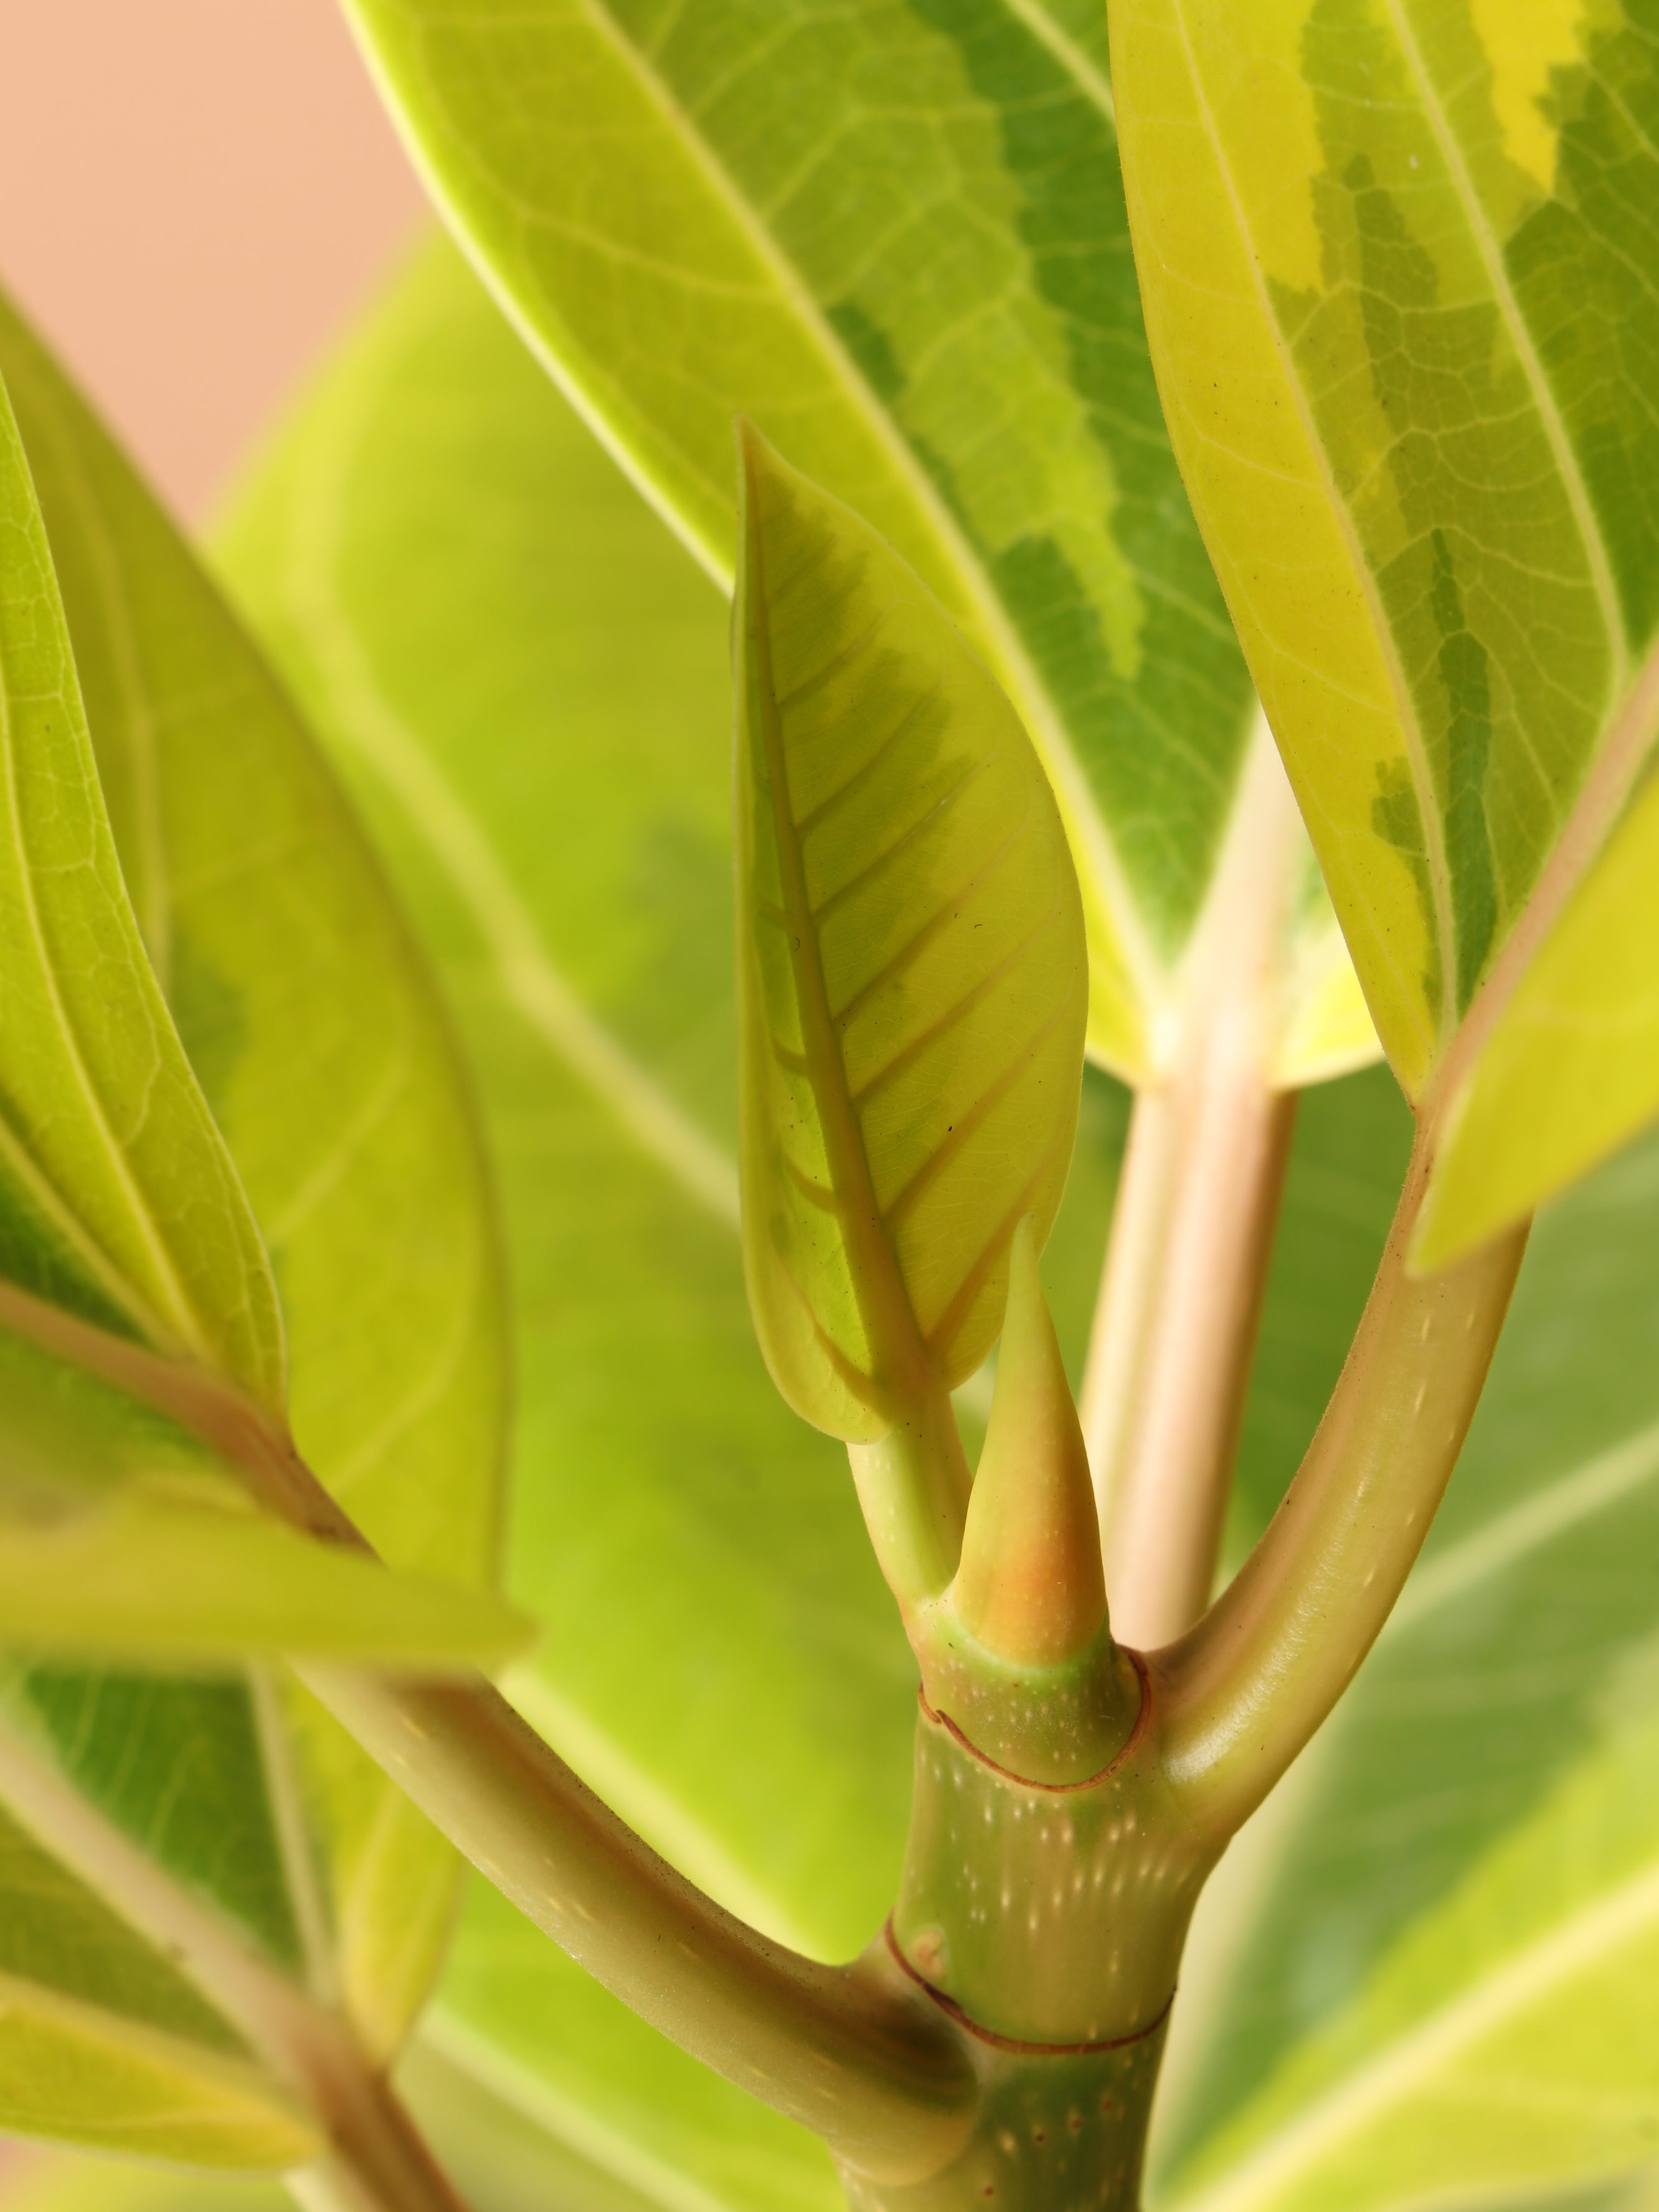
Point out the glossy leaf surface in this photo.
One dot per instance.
(912, 978)
(1440, 1923)
(894, 236)
(1398, 262)
(310, 1027)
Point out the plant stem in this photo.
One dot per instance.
(1175, 1331)
(913, 1486)
(1191, 1238)
(1242, 1693)
(854, 2052)
(379, 2163)
(306, 2049)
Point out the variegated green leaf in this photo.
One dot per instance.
(106, 2038)
(913, 981)
(894, 236)
(529, 682)
(1398, 262)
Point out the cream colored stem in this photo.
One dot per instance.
(1174, 1332)
(855, 2054)
(1191, 1239)
(1243, 1692)
(205, 1403)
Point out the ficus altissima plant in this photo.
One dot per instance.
(844, 1480)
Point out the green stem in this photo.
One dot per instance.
(846, 2050)
(913, 1486)
(1055, 2134)
(1245, 1690)
(855, 2053)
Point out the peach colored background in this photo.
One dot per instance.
(193, 195)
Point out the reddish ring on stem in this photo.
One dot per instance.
(1142, 1716)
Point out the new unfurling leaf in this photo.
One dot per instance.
(914, 980)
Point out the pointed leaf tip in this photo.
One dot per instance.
(1030, 1585)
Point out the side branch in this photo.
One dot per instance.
(1246, 1689)
(854, 2052)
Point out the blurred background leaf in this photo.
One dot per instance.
(457, 580)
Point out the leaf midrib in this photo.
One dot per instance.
(1593, 1486)
(144, 2039)
(1094, 87)
(142, 719)
(576, 2126)
(891, 1323)
(184, 1319)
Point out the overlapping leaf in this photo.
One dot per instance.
(499, 2159)
(108, 2040)
(309, 1023)
(1374, 1923)
(894, 236)
(1398, 261)
(912, 978)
